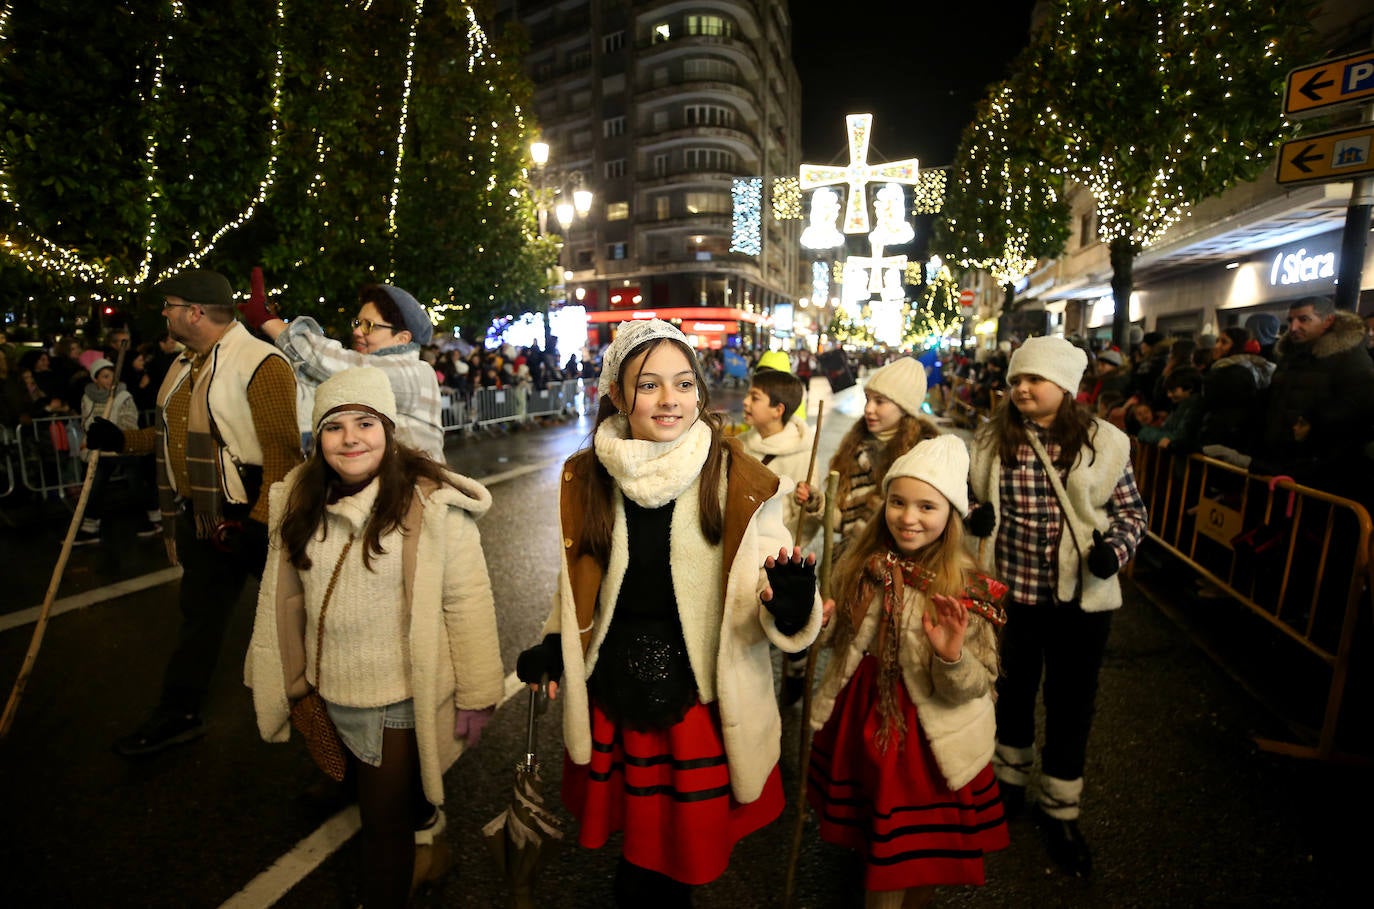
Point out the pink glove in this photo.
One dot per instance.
(255, 311)
(468, 724)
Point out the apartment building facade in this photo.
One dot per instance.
(658, 107)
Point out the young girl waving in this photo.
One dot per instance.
(900, 765)
(1068, 516)
(658, 629)
(891, 425)
(376, 593)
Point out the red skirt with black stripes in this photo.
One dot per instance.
(669, 791)
(894, 805)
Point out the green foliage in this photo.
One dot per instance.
(851, 327)
(935, 310)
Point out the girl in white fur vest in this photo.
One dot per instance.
(676, 576)
(376, 593)
(900, 767)
(1066, 516)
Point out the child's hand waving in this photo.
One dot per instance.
(791, 589)
(946, 630)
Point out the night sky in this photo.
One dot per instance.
(919, 68)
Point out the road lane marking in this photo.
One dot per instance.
(287, 871)
(91, 597)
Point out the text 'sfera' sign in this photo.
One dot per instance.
(1300, 267)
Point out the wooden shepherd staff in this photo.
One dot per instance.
(39, 628)
(832, 487)
(810, 472)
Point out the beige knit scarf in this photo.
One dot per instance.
(651, 474)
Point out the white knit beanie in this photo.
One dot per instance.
(1050, 358)
(903, 382)
(629, 336)
(942, 462)
(99, 364)
(363, 388)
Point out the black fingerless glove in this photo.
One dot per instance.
(543, 659)
(102, 435)
(794, 593)
(980, 521)
(1102, 561)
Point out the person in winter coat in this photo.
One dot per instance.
(1234, 389)
(1068, 515)
(376, 594)
(891, 424)
(904, 714)
(1179, 430)
(677, 574)
(1265, 328)
(124, 414)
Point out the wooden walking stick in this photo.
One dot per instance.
(832, 485)
(810, 471)
(41, 626)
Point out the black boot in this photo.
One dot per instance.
(1013, 799)
(1064, 842)
(637, 888)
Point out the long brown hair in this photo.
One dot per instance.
(597, 504)
(402, 468)
(910, 430)
(1072, 428)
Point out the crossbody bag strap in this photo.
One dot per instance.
(328, 595)
(1059, 492)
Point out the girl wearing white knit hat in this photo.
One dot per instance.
(376, 595)
(1063, 504)
(676, 571)
(904, 713)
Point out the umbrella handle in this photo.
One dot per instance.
(536, 695)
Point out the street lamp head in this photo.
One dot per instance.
(564, 212)
(582, 201)
(539, 151)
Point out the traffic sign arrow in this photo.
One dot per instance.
(1342, 154)
(1305, 157)
(1309, 88)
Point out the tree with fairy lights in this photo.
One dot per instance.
(935, 310)
(1156, 106)
(1006, 209)
(850, 325)
(334, 144)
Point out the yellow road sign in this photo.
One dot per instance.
(1341, 154)
(1314, 89)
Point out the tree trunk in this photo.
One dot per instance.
(1004, 317)
(1124, 251)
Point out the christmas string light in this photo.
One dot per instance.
(745, 233)
(787, 199)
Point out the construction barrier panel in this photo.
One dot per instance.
(1296, 557)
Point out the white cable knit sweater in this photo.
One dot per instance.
(366, 655)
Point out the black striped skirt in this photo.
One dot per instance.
(894, 805)
(669, 791)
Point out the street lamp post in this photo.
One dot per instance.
(565, 211)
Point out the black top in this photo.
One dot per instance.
(643, 678)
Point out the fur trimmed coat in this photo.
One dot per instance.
(454, 650)
(726, 628)
(953, 700)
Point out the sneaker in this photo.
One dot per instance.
(1064, 842)
(147, 529)
(159, 732)
(86, 537)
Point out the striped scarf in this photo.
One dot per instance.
(890, 573)
(202, 466)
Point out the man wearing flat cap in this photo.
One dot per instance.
(388, 333)
(225, 432)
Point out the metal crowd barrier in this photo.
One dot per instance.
(490, 407)
(1297, 557)
(47, 453)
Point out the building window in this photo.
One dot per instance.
(710, 25)
(582, 138)
(709, 159)
(1087, 229)
(717, 70)
(708, 115)
(616, 250)
(662, 208)
(580, 59)
(702, 203)
(662, 32)
(584, 258)
(613, 43)
(660, 165)
(613, 126)
(581, 100)
(613, 169)
(617, 211)
(660, 120)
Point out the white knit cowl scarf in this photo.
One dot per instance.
(651, 474)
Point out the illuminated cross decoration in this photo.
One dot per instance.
(876, 265)
(858, 174)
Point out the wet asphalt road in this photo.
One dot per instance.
(1182, 809)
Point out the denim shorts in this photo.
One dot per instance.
(361, 727)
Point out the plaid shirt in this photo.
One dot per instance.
(419, 422)
(1031, 522)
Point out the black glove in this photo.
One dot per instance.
(246, 541)
(980, 520)
(794, 593)
(1102, 560)
(102, 435)
(543, 659)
